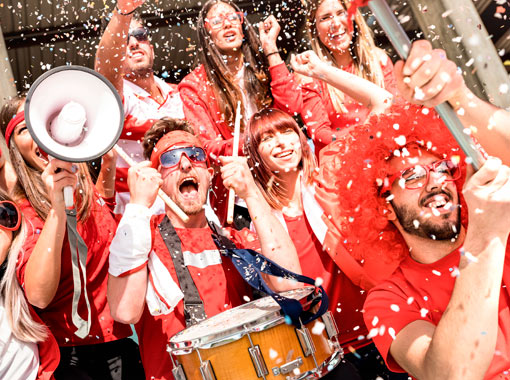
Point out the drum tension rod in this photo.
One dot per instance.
(206, 368)
(257, 359)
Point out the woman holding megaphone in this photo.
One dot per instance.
(92, 345)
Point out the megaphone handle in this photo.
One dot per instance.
(69, 196)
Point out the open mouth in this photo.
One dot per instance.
(136, 54)
(230, 36)
(41, 156)
(188, 186)
(440, 202)
(284, 154)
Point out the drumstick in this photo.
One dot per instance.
(170, 203)
(231, 192)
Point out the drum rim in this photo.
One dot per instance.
(271, 319)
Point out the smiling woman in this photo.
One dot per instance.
(235, 65)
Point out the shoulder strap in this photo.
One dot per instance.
(194, 311)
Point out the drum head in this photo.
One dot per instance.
(233, 324)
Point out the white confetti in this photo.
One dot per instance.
(395, 308)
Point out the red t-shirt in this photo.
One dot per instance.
(97, 232)
(345, 299)
(418, 291)
(220, 287)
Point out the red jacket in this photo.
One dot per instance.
(202, 111)
(49, 353)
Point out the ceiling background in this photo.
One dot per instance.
(42, 34)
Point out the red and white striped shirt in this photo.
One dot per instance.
(140, 111)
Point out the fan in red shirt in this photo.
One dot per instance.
(445, 311)
(284, 167)
(143, 278)
(74, 307)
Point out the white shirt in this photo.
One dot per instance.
(18, 360)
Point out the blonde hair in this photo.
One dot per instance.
(365, 55)
(22, 324)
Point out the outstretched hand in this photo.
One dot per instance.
(428, 77)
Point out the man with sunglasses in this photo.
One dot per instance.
(444, 312)
(125, 57)
(150, 256)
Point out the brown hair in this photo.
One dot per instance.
(29, 183)
(225, 88)
(272, 120)
(363, 50)
(160, 128)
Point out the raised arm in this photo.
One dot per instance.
(463, 343)
(274, 240)
(105, 183)
(428, 78)
(111, 52)
(42, 271)
(367, 93)
(130, 248)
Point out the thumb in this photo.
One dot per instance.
(486, 173)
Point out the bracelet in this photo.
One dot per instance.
(273, 52)
(124, 14)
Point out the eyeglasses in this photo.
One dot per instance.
(217, 22)
(172, 157)
(417, 176)
(10, 216)
(141, 34)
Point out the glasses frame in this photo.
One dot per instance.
(140, 37)
(18, 223)
(184, 151)
(433, 166)
(224, 17)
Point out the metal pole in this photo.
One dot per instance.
(402, 45)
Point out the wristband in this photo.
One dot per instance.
(125, 14)
(273, 52)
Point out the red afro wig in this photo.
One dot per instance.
(353, 168)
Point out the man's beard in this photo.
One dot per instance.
(445, 230)
(139, 72)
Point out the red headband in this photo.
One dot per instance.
(173, 139)
(18, 118)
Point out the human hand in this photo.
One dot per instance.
(428, 77)
(237, 176)
(57, 175)
(487, 194)
(144, 182)
(268, 33)
(128, 6)
(307, 63)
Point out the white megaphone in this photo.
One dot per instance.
(74, 114)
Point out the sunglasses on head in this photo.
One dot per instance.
(10, 216)
(172, 157)
(141, 34)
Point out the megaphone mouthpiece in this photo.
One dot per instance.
(67, 127)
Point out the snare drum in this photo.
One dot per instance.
(252, 341)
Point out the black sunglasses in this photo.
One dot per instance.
(10, 216)
(141, 34)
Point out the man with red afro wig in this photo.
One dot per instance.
(445, 310)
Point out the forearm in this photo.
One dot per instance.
(274, 240)
(111, 52)
(106, 179)
(42, 274)
(490, 123)
(471, 318)
(126, 296)
(367, 93)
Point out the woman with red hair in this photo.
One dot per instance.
(283, 166)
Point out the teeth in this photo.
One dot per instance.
(283, 154)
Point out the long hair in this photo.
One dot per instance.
(23, 326)
(29, 183)
(256, 72)
(363, 50)
(274, 120)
